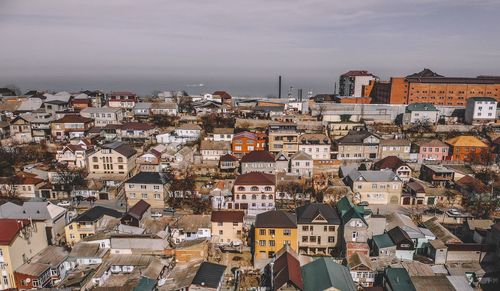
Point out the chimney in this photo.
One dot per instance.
(279, 87)
(299, 95)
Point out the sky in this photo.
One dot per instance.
(240, 46)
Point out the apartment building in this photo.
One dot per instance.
(283, 137)
(227, 227)
(20, 239)
(20, 130)
(431, 150)
(222, 134)
(481, 110)
(211, 151)
(430, 87)
(147, 186)
(357, 145)
(71, 126)
(317, 145)
(273, 230)
(74, 155)
(112, 159)
(395, 164)
(318, 228)
(352, 83)
(301, 164)
(468, 149)
(355, 233)
(375, 187)
(394, 147)
(124, 100)
(437, 175)
(424, 113)
(254, 193)
(90, 222)
(103, 115)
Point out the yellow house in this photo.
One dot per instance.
(227, 227)
(20, 239)
(274, 229)
(89, 222)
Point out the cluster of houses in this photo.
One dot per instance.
(307, 195)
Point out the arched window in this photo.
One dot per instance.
(238, 196)
(268, 188)
(270, 196)
(263, 197)
(120, 160)
(254, 197)
(243, 197)
(241, 188)
(254, 188)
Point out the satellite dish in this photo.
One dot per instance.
(28, 280)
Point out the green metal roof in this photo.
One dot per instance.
(324, 273)
(421, 107)
(398, 279)
(383, 241)
(145, 284)
(348, 211)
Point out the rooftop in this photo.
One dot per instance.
(146, 178)
(209, 275)
(276, 219)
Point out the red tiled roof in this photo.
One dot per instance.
(73, 118)
(357, 73)
(255, 178)
(227, 216)
(10, 228)
(228, 158)
(286, 269)
(222, 94)
(390, 162)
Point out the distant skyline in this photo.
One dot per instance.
(240, 46)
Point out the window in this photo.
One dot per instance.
(221, 232)
(331, 228)
(287, 232)
(272, 232)
(94, 159)
(143, 186)
(120, 160)
(305, 239)
(305, 228)
(156, 187)
(157, 196)
(262, 243)
(244, 197)
(331, 239)
(262, 231)
(132, 195)
(254, 197)
(241, 188)
(312, 239)
(268, 188)
(272, 243)
(254, 188)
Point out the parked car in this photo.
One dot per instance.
(433, 211)
(156, 214)
(169, 211)
(64, 203)
(363, 203)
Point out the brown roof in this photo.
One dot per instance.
(395, 142)
(139, 209)
(286, 269)
(222, 94)
(276, 219)
(258, 157)
(471, 184)
(223, 130)
(136, 126)
(228, 158)
(10, 229)
(215, 145)
(227, 216)
(255, 178)
(73, 118)
(390, 162)
(431, 143)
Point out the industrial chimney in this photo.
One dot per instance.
(279, 87)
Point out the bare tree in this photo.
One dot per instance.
(291, 188)
(69, 178)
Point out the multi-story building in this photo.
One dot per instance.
(355, 233)
(103, 115)
(375, 187)
(437, 175)
(117, 158)
(480, 110)
(147, 186)
(317, 145)
(40, 125)
(468, 149)
(188, 131)
(90, 222)
(429, 87)
(164, 108)
(227, 227)
(318, 228)
(431, 150)
(352, 82)
(245, 142)
(258, 161)
(283, 137)
(273, 230)
(254, 193)
(363, 272)
(74, 155)
(124, 100)
(222, 134)
(394, 147)
(20, 239)
(211, 151)
(301, 164)
(20, 130)
(357, 145)
(424, 113)
(339, 129)
(71, 126)
(135, 131)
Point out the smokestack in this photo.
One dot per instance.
(299, 95)
(279, 87)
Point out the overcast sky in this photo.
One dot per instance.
(240, 46)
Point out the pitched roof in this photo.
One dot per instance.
(228, 158)
(227, 216)
(390, 162)
(223, 130)
(286, 269)
(398, 235)
(421, 107)
(121, 147)
(96, 213)
(466, 141)
(73, 118)
(430, 143)
(246, 134)
(357, 73)
(357, 259)
(138, 210)
(472, 184)
(373, 176)
(255, 178)
(189, 126)
(276, 219)
(258, 157)
(215, 145)
(136, 126)
(209, 275)
(307, 213)
(354, 137)
(441, 232)
(489, 99)
(301, 156)
(314, 138)
(324, 273)
(383, 241)
(425, 73)
(10, 228)
(146, 178)
(398, 279)
(222, 94)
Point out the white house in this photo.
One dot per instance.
(420, 112)
(188, 131)
(103, 115)
(301, 164)
(191, 227)
(480, 109)
(316, 145)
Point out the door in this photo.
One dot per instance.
(354, 236)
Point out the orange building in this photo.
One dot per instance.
(245, 142)
(429, 87)
(468, 149)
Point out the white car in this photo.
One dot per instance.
(64, 203)
(156, 214)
